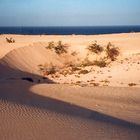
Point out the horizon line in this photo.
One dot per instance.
(73, 26)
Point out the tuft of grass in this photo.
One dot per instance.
(95, 48)
(10, 40)
(112, 52)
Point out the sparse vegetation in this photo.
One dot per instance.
(10, 40)
(110, 53)
(105, 55)
(59, 47)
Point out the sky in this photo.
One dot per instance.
(69, 12)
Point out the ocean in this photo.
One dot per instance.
(90, 30)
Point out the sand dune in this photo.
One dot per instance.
(33, 106)
(28, 58)
(32, 116)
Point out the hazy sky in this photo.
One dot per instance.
(69, 12)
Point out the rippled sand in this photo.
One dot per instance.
(29, 116)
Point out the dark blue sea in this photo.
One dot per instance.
(92, 30)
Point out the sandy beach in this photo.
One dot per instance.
(47, 95)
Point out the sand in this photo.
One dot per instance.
(69, 106)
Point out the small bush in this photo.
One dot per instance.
(74, 68)
(112, 52)
(59, 48)
(11, 40)
(74, 53)
(51, 45)
(83, 72)
(48, 69)
(132, 84)
(86, 62)
(95, 84)
(51, 70)
(95, 48)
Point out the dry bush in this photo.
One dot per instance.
(51, 45)
(95, 48)
(86, 62)
(83, 72)
(132, 84)
(95, 84)
(59, 47)
(48, 69)
(75, 68)
(10, 40)
(74, 53)
(51, 70)
(112, 52)
(100, 63)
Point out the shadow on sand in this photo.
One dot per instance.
(25, 97)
